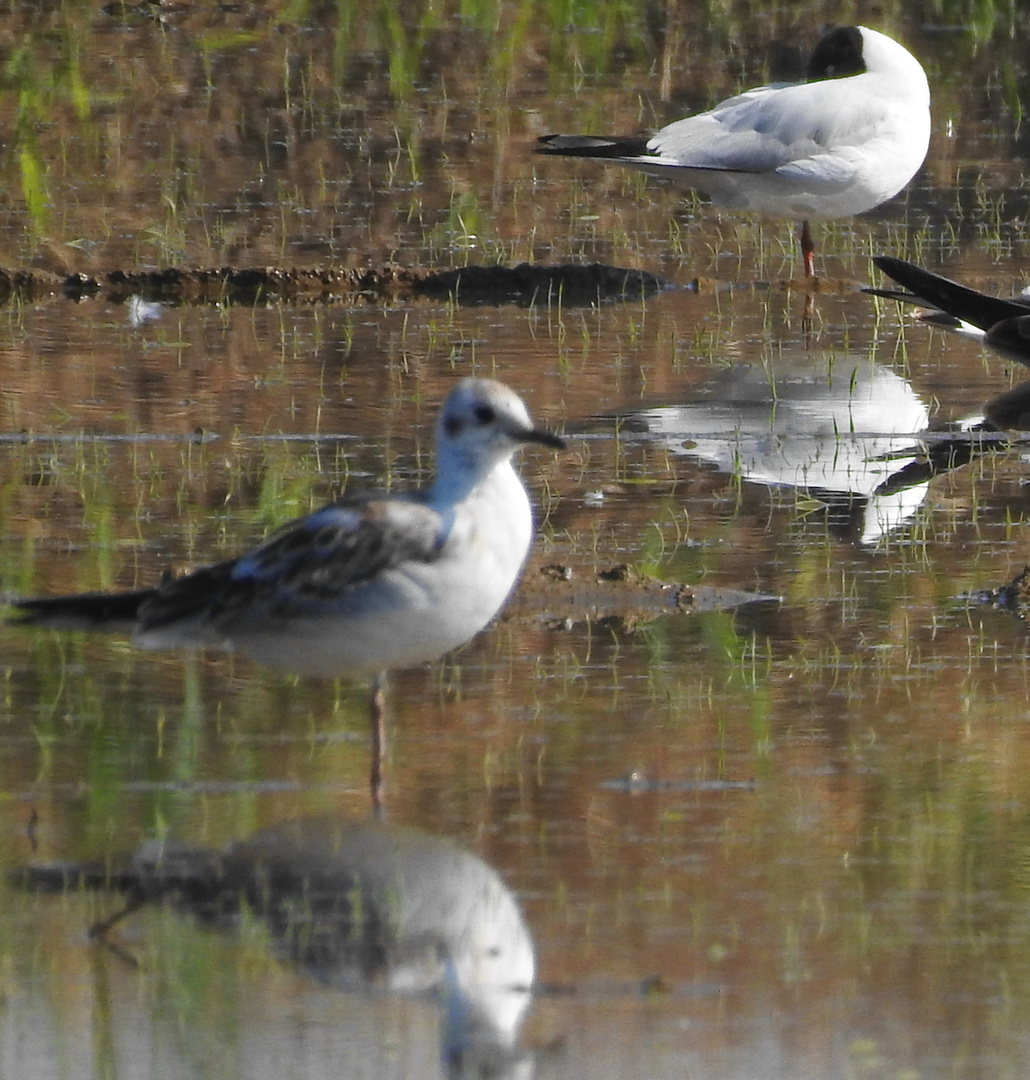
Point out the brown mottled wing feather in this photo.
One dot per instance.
(306, 567)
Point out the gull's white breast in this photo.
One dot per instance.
(417, 611)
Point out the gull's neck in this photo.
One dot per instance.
(459, 475)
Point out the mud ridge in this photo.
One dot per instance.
(558, 596)
(568, 285)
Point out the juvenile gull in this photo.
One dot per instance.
(842, 142)
(363, 585)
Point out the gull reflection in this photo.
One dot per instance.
(355, 906)
(841, 432)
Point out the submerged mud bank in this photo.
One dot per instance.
(523, 284)
(566, 284)
(559, 595)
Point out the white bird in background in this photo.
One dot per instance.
(842, 142)
(362, 585)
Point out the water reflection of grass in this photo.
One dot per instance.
(883, 846)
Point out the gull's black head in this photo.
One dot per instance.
(838, 54)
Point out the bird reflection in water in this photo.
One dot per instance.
(355, 906)
(839, 433)
(854, 435)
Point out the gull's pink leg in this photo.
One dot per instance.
(807, 250)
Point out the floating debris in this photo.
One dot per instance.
(635, 783)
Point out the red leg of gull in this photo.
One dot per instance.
(378, 718)
(807, 250)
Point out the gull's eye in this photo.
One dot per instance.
(484, 414)
(451, 425)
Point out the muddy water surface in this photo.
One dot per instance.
(785, 840)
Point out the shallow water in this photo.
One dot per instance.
(789, 840)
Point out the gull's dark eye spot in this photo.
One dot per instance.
(484, 414)
(451, 425)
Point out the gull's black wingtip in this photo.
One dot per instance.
(961, 302)
(887, 263)
(891, 294)
(593, 146)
